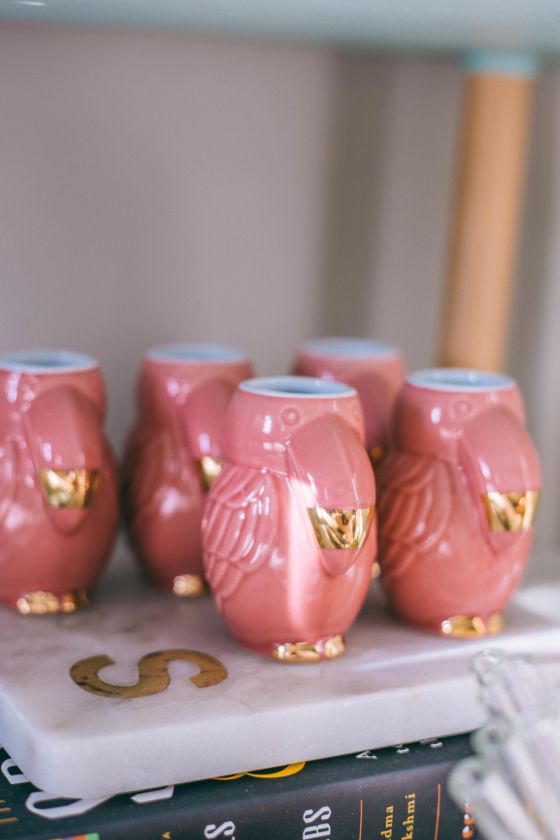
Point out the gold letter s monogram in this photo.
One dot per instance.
(153, 676)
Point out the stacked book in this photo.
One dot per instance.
(397, 793)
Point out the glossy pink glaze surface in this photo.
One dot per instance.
(52, 418)
(374, 369)
(438, 556)
(285, 453)
(182, 403)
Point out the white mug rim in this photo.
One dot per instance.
(459, 380)
(297, 387)
(195, 352)
(46, 361)
(349, 347)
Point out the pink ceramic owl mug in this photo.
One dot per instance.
(174, 453)
(289, 529)
(459, 493)
(58, 483)
(374, 368)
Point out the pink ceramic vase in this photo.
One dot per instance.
(375, 369)
(59, 494)
(459, 492)
(173, 454)
(289, 532)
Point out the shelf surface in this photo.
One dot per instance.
(394, 684)
(431, 25)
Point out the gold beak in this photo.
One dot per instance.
(341, 528)
(210, 469)
(510, 511)
(69, 488)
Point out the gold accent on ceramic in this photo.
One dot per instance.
(375, 570)
(511, 511)
(209, 468)
(301, 652)
(376, 455)
(189, 586)
(69, 488)
(341, 528)
(472, 626)
(153, 676)
(46, 603)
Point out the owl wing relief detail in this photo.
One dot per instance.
(414, 510)
(239, 527)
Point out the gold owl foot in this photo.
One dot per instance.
(189, 586)
(302, 652)
(46, 603)
(472, 626)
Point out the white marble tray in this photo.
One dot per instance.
(394, 684)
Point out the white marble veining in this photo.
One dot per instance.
(394, 684)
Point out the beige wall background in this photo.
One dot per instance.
(162, 187)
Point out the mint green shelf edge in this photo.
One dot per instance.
(440, 26)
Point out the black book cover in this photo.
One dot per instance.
(398, 793)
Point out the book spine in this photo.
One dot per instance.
(404, 806)
(406, 809)
(393, 794)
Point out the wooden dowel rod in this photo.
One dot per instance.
(485, 220)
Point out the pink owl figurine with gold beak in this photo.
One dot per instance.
(58, 482)
(459, 493)
(374, 368)
(174, 453)
(288, 531)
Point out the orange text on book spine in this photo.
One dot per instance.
(408, 824)
(316, 825)
(389, 814)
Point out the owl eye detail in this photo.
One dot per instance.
(461, 408)
(291, 416)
